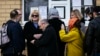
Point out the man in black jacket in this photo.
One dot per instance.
(93, 34)
(15, 33)
(47, 43)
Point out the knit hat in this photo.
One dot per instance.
(53, 13)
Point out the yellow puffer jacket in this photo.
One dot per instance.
(74, 42)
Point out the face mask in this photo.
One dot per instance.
(87, 18)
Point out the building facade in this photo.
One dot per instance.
(7, 5)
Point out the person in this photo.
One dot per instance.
(15, 33)
(47, 43)
(74, 38)
(80, 17)
(31, 28)
(92, 34)
(89, 13)
(55, 22)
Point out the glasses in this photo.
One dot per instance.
(35, 15)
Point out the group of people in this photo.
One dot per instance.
(49, 37)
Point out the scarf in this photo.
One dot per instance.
(72, 22)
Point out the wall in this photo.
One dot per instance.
(98, 2)
(5, 7)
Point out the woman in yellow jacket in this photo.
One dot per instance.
(74, 38)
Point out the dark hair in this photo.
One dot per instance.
(96, 9)
(89, 10)
(13, 13)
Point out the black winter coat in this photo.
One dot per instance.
(56, 23)
(47, 44)
(93, 37)
(29, 31)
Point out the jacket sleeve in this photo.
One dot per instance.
(45, 39)
(27, 32)
(71, 36)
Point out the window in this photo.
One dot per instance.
(74, 4)
(32, 3)
(81, 5)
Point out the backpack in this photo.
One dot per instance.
(4, 39)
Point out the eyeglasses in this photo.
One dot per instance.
(35, 15)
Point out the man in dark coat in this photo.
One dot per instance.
(93, 34)
(47, 43)
(15, 33)
(54, 20)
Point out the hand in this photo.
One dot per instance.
(62, 27)
(37, 36)
(32, 41)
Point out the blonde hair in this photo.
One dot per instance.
(78, 14)
(33, 12)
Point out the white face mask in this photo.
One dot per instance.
(87, 18)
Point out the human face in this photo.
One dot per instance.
(41, 25)
(94, 14)
(19, 16)
(73, 15)
(35, 17)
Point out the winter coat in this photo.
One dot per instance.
(29, 31)
(74, 42)
(47, 44)
(56, 24)
(93, 37)
(17, 40)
